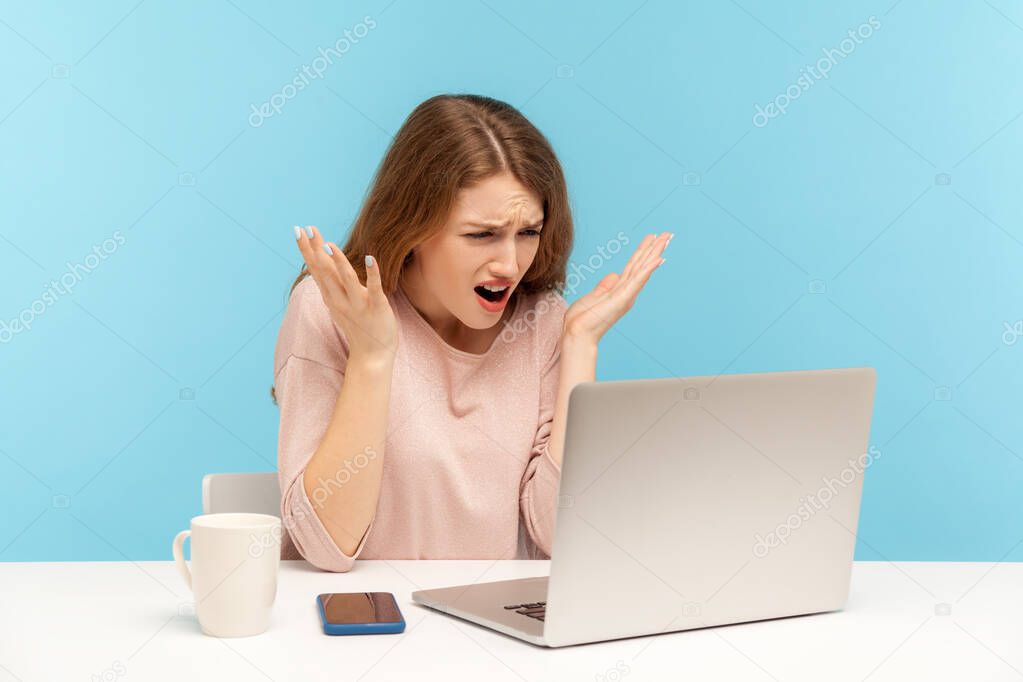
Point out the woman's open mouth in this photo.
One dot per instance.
(492, 297)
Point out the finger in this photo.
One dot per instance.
(655, 249)
(344, 268)
(302, 240)
(315, 238)
(666, 238)
(637, 265)
(373, 283)
(325, 254)
(640, 249)
(639, 279)
(319, 264)
(652, 251)
(345, 291)
(310, 243)
(606, 284)
(299, 233)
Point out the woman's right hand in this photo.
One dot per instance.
(362, 312)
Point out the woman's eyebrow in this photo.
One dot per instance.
(501, 226)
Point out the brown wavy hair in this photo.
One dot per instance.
(450, 143)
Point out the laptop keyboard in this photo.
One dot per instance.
(536, 609)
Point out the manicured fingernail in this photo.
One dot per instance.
(309, 230)
(369, 261)
(298, 232)
(326, 247)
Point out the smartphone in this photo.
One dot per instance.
(360, 613)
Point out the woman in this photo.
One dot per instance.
(423, 413)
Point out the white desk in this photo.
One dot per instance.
(132, 621)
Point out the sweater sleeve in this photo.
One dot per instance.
(310, 358)
(538, 493)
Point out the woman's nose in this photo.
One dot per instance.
(506, 260)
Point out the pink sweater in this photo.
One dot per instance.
(466, 472)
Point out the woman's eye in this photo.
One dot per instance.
(484, 235)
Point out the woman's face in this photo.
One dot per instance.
(491, 239)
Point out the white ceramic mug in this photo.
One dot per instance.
(235, 559)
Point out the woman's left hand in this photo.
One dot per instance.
(589, 317)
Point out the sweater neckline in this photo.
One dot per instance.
(420, 320)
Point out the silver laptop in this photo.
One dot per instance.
(693, 502)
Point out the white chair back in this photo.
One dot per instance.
(258, 493)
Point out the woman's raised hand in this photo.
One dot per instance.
(593, 314)
(362, 312)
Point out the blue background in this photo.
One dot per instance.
(876, 222)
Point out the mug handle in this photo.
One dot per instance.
(179, 556)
